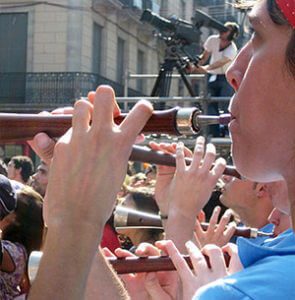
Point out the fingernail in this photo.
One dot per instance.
(210, 148)
(220, 160)
(216, 209)
(228, 213)
(43, 141)
(200, 139)
(190, 245)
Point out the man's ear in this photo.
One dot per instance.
(261, 190)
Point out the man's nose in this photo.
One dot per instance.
(235, 73)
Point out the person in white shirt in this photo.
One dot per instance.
(222, 50)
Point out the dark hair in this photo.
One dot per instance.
(25, 164)
(3, 168)
(27, 227)
(234, 30)
(279, 19)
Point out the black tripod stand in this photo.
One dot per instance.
(162, 85)
(163, 82)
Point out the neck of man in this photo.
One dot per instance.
(256, 217)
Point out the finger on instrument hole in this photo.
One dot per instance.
(216, 258)
(214, 219)
(81, 117)
(209, 157)
(197, 258)
(138, 116)
(224, 220)
(104, 104)
(180, 162)
(198, 153)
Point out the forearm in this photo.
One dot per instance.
(103, 281)
(203, 58)
(68, 262)
(217, 64)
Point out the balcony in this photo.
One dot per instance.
(37, 91)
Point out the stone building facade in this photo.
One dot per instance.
(79, 43)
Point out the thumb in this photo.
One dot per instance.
(43, 145)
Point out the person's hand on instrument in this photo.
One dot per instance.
(43, 145)
(153, 285)
(183, 191)
(201, 274)
(94, 157)
(216, 233)
(192, 185)
(165, 175)
(134, 283)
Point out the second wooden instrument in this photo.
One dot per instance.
(127, 265)
(130, 218)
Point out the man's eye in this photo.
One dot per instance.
(251, 30)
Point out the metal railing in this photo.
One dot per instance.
(51, 87)
(33, 92)
(201, 78)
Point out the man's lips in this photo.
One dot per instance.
(232, 116)
(233, 124)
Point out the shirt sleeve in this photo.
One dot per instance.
(220, 291)
(9, 281)
(208, 45)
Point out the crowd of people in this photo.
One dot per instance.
(82, 175)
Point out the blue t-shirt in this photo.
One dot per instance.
(269, 272)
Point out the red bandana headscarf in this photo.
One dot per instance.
(287, 7)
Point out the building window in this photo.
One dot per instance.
(182, 10)
(96, 48)
(164, 7)
(140, 70)
(120, 60)
(13, 56)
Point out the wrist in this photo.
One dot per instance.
(64, 242)
(68, 231)
(179, 229)
(177, 213)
